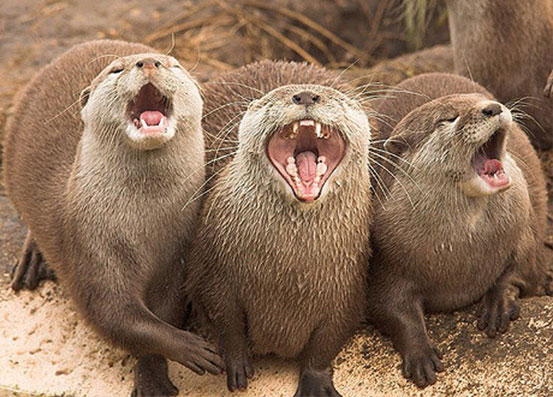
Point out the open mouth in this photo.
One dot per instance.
(305, 153)
(149, 111)
(487, 161)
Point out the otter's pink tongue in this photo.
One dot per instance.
(307, 166)
(492, 166)
(492, 173)
(152, 117)
(151, 122)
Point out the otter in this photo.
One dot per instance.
(279, 261)
(103, 195)
(506, 46)
(460, 215)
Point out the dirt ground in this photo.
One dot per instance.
(47, 349)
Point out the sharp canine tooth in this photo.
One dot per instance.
(144, 124)
(318, 130)
(321, 169)
(295, 127)
(291, 160)
(317, 179)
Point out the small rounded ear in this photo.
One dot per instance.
(83, 98)
(254, 104)
(395, 144)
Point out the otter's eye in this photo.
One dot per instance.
(116, 70)
(448, 120)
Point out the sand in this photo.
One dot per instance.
(47, 348)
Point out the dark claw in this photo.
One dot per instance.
(239, 370)
(496, 312)
(315, 383)
(31, 268)
(151, 378)
(200, 356)
(421, 365)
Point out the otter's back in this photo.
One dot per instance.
(226, 100)
(42, 136)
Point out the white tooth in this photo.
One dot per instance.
(144, 124)
(318, 130)
(292, 170)
(316, 190)
(321, 159)
(307, 123)
(291, 160)
(295, 127)
(297, 180)
(321, 169)
(317, 180)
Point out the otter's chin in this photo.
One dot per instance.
(150, 124)
(305, 153)
(487, 163)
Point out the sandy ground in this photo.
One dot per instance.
(47, 349)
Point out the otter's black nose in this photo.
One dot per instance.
(148, 63)
(493, 109)
(306, 98)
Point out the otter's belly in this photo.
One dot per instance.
(282, 332)
(461, 283)
(280, 318)
(453, 299)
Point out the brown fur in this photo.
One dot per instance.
(435, 248)
(507, 46)
(109, 218)
(269, 272)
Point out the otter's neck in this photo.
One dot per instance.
(114, 165)
(441, 194)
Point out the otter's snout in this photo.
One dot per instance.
(148, 66)
(492, 109)
(306, 98)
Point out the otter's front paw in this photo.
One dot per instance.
(30, 270)
(495, 313)
(199, 355)
(150, 378)
(239, 370)
(421, 365)
(316, 383)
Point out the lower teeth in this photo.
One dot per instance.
(292, 170)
